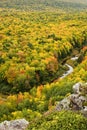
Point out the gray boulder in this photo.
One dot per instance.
(75, 101)
(20, 124)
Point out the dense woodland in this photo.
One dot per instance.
(33, 49)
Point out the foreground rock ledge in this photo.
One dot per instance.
(76, 101)
(20, 124)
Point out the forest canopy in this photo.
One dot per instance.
(37, 39)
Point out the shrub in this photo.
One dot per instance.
(64, 120)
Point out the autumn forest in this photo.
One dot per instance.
(37, 39)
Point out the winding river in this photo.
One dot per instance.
(70, 68)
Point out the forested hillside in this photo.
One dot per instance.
(33, 45)
(44, 4)
(35, 49)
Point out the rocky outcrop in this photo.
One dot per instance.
(20, 124)
(75, 101)
(76, 88)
